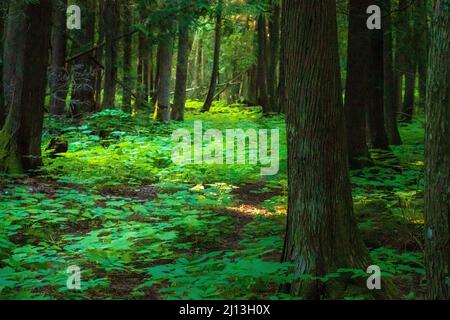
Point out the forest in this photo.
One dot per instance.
(224, 150)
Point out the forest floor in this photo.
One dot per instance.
(141, 227)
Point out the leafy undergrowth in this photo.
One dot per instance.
(141, 227)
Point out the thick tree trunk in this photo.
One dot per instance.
(321, 234)
(83, 68)
(215, 69)
(58, 71)
(358, 83)
(437, 157)
(162, 112)
(263, 98)
(375, 117)
(126, 63)
(390, 111)
(182, 71)
(27, 50)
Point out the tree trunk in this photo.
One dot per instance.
(437, 157)
(58, 71)
(422, 41)
(182, 70)
(84, 69)
(27, 49)
(2, 38)
(401, 50)
(99, 53)
(274, 30)
(263, 98)
(390, 111)
(321, 234)
(111, 15)
(126, 63)
(282, 73)
(358, 83)
(375, 123)
(215, 69)
(162, 112)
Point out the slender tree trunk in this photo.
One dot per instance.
(437, 157)
(282, 73)
(358, 82)
(422, 40)
(126, 63)
(401, 50)
(99, 54)
(2, 38)
(58, 72)
(215, 69)
(162, 112)
(27, 55)
(83, 68)
(390, 111)
(321, 234)
(274, 30)
(182, 70)
(111, 17)
(375, 116)
(263, 98)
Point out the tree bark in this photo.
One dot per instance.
(437, 157)
(215, 69)
(321, 234)
(377, 131)
(358, 83)
(162, 112)
(111, 15)
(182, 71)
(2, 38)
(58, 70)
(422, 42)
(274, 31)
(390, 111)
(27, 49)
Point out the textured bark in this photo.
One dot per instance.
(83, 68)
(215, 69)
(126, 62)
(58, 70)
(375, 116)
(358, 83)
(321, 234)
(179, 100)
(437, 156)
(162, 112)
(390, 112)
(27, 50)
(263, 99)
(111, 15)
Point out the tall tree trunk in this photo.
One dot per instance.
(27, 49)
(358, 83)
(162, 112)
(111, 16)
(126, 63)
(263, 98)
(281, 95)
(99, 53)
(375, 116)
(390, 111)
(401, 50)
(321, 234)
(422, 40)
(437, 157)
(58, 72)
(215, 69)
(274, 30)
(182, 70)
(83, 68)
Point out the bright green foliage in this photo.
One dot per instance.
(140, 227)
